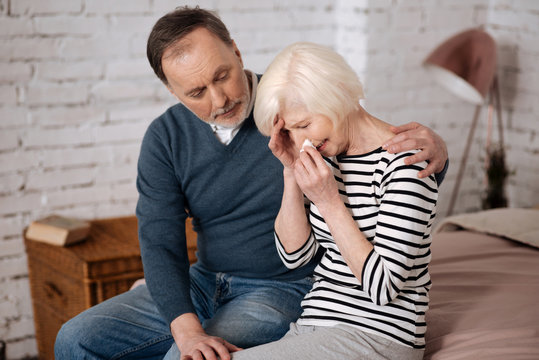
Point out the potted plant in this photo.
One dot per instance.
(497, 174)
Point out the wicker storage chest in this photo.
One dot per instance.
(64, 281)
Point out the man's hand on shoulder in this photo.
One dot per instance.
(195, 344)
(414, 136)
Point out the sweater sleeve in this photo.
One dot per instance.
(401, 243)
(161, 224)
(441, 175)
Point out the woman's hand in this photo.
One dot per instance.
(315, 178)
(281, 145)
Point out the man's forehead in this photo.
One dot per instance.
(178, 49)
(198, 53)
(194, 83)
(199, 36)
(190, 73)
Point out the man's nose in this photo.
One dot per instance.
(218, 97)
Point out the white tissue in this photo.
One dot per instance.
(307, 142)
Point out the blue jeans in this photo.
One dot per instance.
(246, 312)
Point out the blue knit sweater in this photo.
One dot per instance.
(233, 193)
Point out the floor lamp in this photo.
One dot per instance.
(465, 64)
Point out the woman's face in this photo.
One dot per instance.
(319, 129)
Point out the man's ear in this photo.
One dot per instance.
(237, 52)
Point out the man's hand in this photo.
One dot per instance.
(195, 344)
(414, 136)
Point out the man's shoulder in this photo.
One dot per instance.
(175, 118)
(174, 113)
(173, 123)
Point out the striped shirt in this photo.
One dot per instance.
(394, 210)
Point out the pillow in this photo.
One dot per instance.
(520, 225)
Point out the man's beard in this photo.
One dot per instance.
(243, 102)
(243, 112)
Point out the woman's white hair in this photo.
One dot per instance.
(311, 75)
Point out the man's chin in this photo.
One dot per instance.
(232, 121)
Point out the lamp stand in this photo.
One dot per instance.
(462, 166)
(496, 171)
(496, 91)
(494, 98)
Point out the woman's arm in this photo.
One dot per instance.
(402, 236)
(318, 183)
(293, 237)
(291, 225)
(403, 222)
(352, 244)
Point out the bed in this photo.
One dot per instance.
(484, 297)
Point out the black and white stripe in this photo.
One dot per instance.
(394, 210)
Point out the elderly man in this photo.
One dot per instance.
(205, 158)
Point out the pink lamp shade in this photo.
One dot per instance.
(465, 64)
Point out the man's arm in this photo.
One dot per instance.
(413, 136)
(161, 219)
(161, 226)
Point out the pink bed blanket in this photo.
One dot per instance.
(484, 298)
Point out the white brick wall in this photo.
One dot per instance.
(76, 95)
(399, 91)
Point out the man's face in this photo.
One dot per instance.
(208, 78)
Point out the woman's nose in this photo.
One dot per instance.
(298, 139)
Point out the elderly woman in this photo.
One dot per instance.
(370, 212)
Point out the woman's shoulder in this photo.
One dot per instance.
(396, 160)
(397, 170)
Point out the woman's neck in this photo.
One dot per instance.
(366, 132)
